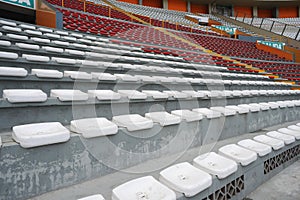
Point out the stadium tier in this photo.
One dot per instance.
(130, 102)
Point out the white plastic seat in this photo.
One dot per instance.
(72, 39)
(28, 46)
(46, 30)
(24, 95)
(126, 77)
(52, 35)
(239, 154)
(273, 105)
(163, 118)
(93, 127)
(215, 164)
(17, 37)
(288, 139)
(259, 148)
(274, 143)
(39, 40)
(189, 116)
(224, 111)
(5, 43)
(32, 32)
(12, 29)
(47, 73)
(104, 94)
(194, 94)
(61, 43)
(290, 131)
(104, 76)
(78, 75)
(133, 122)
(75, 52)
(294, 127)
(163, 79)
(93, 197)
(67, 61)
(36, 58)
(69, 95)
(264, 106)
(143, 188)
(33, 135)
(155, 94)
(146, 79)
(62, 33)
(185, 178)
(13, 71)
(133, 94)
(81, 46)
(240, 110)
(8, 55)
(282, 104)
(8, 23)
(251, 108)
(208, 113)
(176, 94)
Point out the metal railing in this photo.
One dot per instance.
(277, 27)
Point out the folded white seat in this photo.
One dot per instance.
(53, 49)
(36, 58)
(163, 118)
(296, 102)
(93, 197)
(185, 178)
(5, 43)
(294, 127)
(133, 94)
(288, 139)
(51, 35)
(290, 130)
(237, 93)
(282, 104)
(155, 94)
(208, 113)
(93, 127)
(252, 108)
(290, 104)
(265, 106)
(12, 29)
(67, 61)
(8, 55)
(146, 79)
(215, 164)
(143, 188)
(47, 73)
(8, 23)
(224, 111)
(17, 37)
(104, 94)
(39, 40)
(24, 95)
(104, 76)
(189, 116)
(61, 43)
(239, 154)
(32, 32)
(78, 75)
(28, 46)
(46, 30)
(13, 71)
(126, 77)
(68, 38)
(262, 107)
(75, 52)
(194, 94)
(133, 122)
(273, 105)
(163, 79)
(39, 134)
(215, 94)
(240, 110)
(274, 143)
(176, 94)
(69, 95)
(259, 148)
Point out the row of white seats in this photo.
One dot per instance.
(37, 95)
(191, 179)
(32, 135)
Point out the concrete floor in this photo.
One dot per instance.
(283, 186)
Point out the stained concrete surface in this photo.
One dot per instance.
(283, 186)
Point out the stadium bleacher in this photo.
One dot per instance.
(109, 93)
